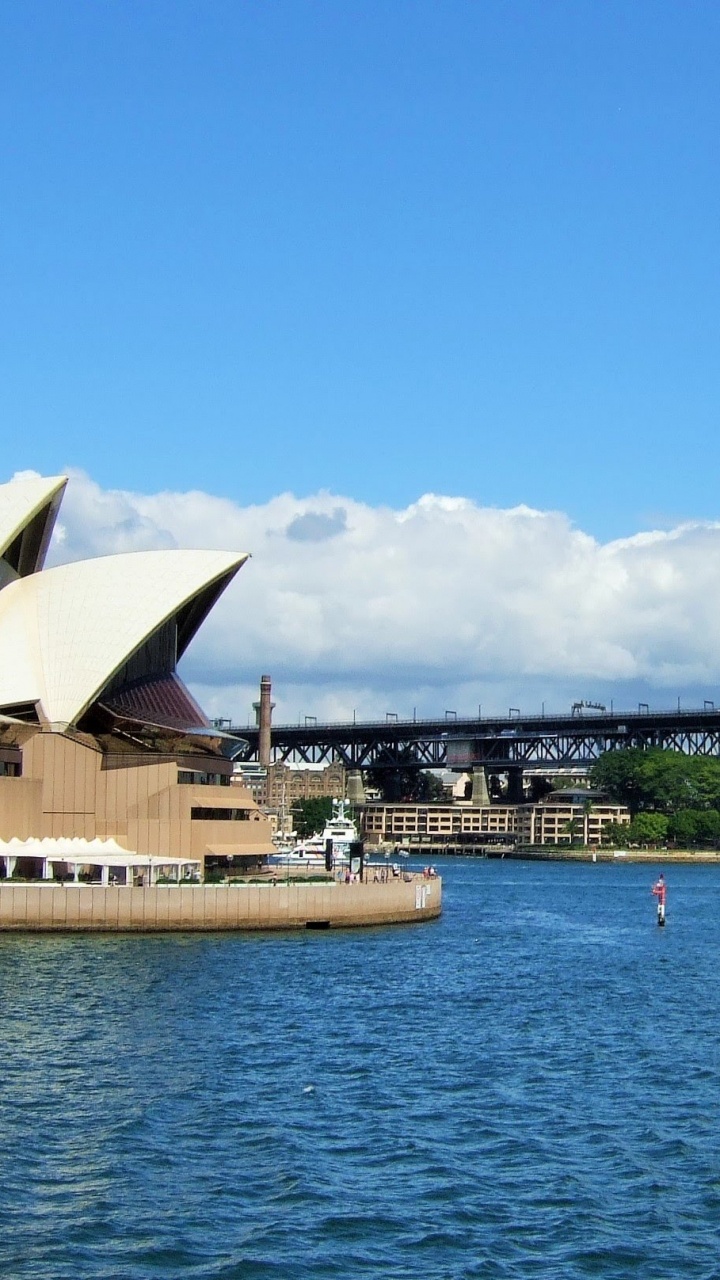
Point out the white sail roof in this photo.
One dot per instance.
(28, 507)
(64, 633)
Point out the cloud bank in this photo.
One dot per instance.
(444, 604)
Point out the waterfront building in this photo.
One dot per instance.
(562, 817)
(437, 824)
(99, 737)
(567, 816)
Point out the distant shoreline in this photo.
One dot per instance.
(556, 854)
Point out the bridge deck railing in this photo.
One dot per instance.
(600, 718)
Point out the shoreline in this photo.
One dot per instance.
(705, 856)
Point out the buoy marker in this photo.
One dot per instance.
(659, 889)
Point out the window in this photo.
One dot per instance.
(207, 814)
(194, 778)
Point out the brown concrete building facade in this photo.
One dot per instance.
(177, 806)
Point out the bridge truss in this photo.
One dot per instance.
(499, 745)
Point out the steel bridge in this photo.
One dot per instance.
(513, 743)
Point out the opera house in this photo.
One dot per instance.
(99, 737)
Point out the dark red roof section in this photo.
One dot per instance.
(161, 700)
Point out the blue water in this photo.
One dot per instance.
(527, 1087)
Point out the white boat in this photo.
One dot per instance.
(339, 832)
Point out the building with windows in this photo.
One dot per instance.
(99, 737)
(572, 815)
(438, 826)
(563, 817)
(278, 785)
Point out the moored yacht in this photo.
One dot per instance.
(335, 838)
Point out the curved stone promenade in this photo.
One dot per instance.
(48, 907)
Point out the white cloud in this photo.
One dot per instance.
(442, 605)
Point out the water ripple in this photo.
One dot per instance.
(526, 1088)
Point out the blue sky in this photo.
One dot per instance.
(381, 249)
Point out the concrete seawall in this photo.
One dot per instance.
(116, 909)
(563, 853)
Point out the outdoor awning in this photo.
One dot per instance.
(77, 851)
(121, 860)
(60, 847)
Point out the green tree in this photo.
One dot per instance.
(708, 826)
(674, 781)
(695, 826)
(649, 829)
(682, 828)
(615, 833)
(621, 775)
(406, 784)
(311, 815)
(657, 780)
(495, 787)
(539, 788)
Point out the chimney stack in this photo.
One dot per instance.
(263, 713)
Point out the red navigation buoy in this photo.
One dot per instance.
(660, 891)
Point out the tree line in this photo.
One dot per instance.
(670, 796)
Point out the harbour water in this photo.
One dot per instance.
(527, 1087)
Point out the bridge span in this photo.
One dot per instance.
(499, 744)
